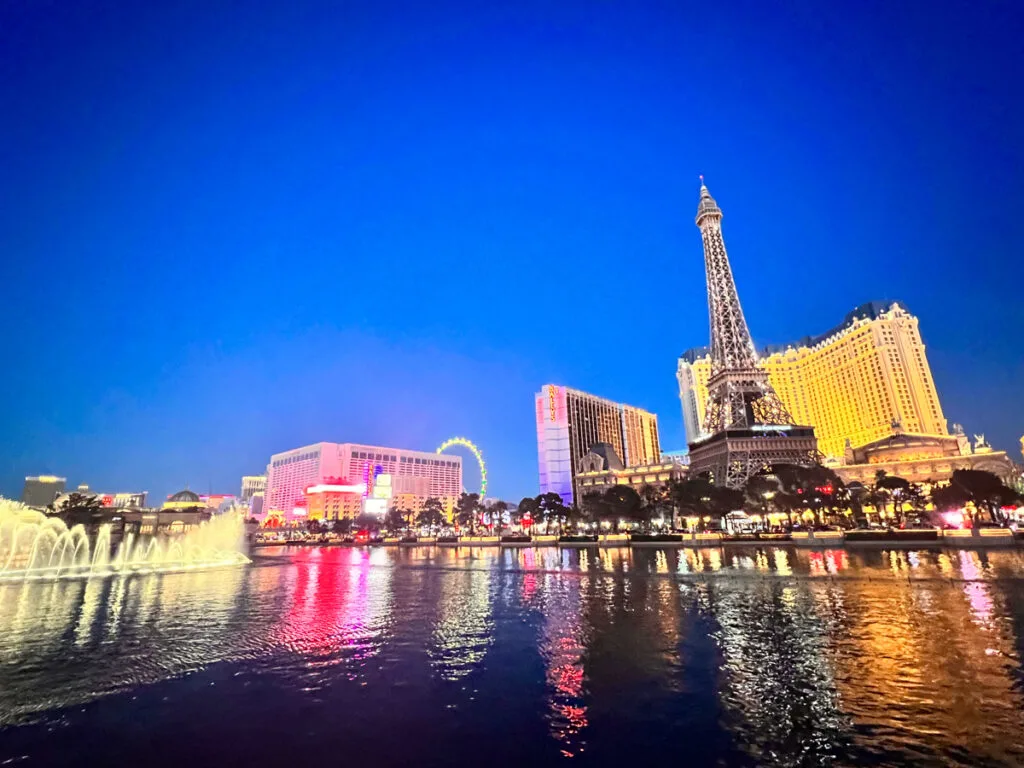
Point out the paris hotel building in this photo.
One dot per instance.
(570, 423)
(855, 382)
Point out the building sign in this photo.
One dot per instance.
(336, 488)
(376, 507)
(551, 400)
(382, 487)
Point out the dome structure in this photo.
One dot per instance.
(183, 499)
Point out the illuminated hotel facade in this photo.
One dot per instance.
(416, 475)
(854, 383)
(570, 422)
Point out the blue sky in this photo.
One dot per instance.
(231, 231)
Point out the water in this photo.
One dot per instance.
(37, 546)
(419, 656)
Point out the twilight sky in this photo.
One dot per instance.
(227, 232)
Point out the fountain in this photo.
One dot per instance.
(36, 546)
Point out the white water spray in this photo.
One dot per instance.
(36, 546)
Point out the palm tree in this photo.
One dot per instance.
(79, 508)
(891, 487)
(856, 495)
(497, 511)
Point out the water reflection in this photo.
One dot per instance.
(463, 629)
(731, 655)
(562, 645)
(778, 687)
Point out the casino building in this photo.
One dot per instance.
(852, 383)
(923, 458)
(415, 475)
(570, 423)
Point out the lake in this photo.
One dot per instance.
(546, 656)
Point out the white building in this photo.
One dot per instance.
(688, 394)
(251, 485)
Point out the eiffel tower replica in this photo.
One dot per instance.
(746, 426)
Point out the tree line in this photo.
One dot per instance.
(778, 498)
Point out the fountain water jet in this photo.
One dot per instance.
(36, 546)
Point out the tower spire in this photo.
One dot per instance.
(744, 420)
(731, 345)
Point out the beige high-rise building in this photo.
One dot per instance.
(570, 423)
(853, 383)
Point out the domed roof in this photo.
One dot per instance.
(185, 495)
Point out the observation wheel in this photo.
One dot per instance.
(476, 453)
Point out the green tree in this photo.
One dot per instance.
(621, 503)
(699, 497)
(496, 514)
(592, 506)
(759, 492)
(395, 519)
(986, 490)
(890, 488)
(917, 503)
(655, 503)
(813, 488)
(573, 518)
(467, 511)
(431, 514)
(550, 509)
(342, 526)
(947, 498)
(365, 522)
(526, 510)
(857, 495)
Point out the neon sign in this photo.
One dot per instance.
(330, 488)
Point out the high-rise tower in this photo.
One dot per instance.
(747, 427)
(570, 423)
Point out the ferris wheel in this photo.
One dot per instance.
(468, 445)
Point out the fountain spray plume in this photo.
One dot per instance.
(34, 545)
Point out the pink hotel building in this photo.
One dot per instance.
(414, 473)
